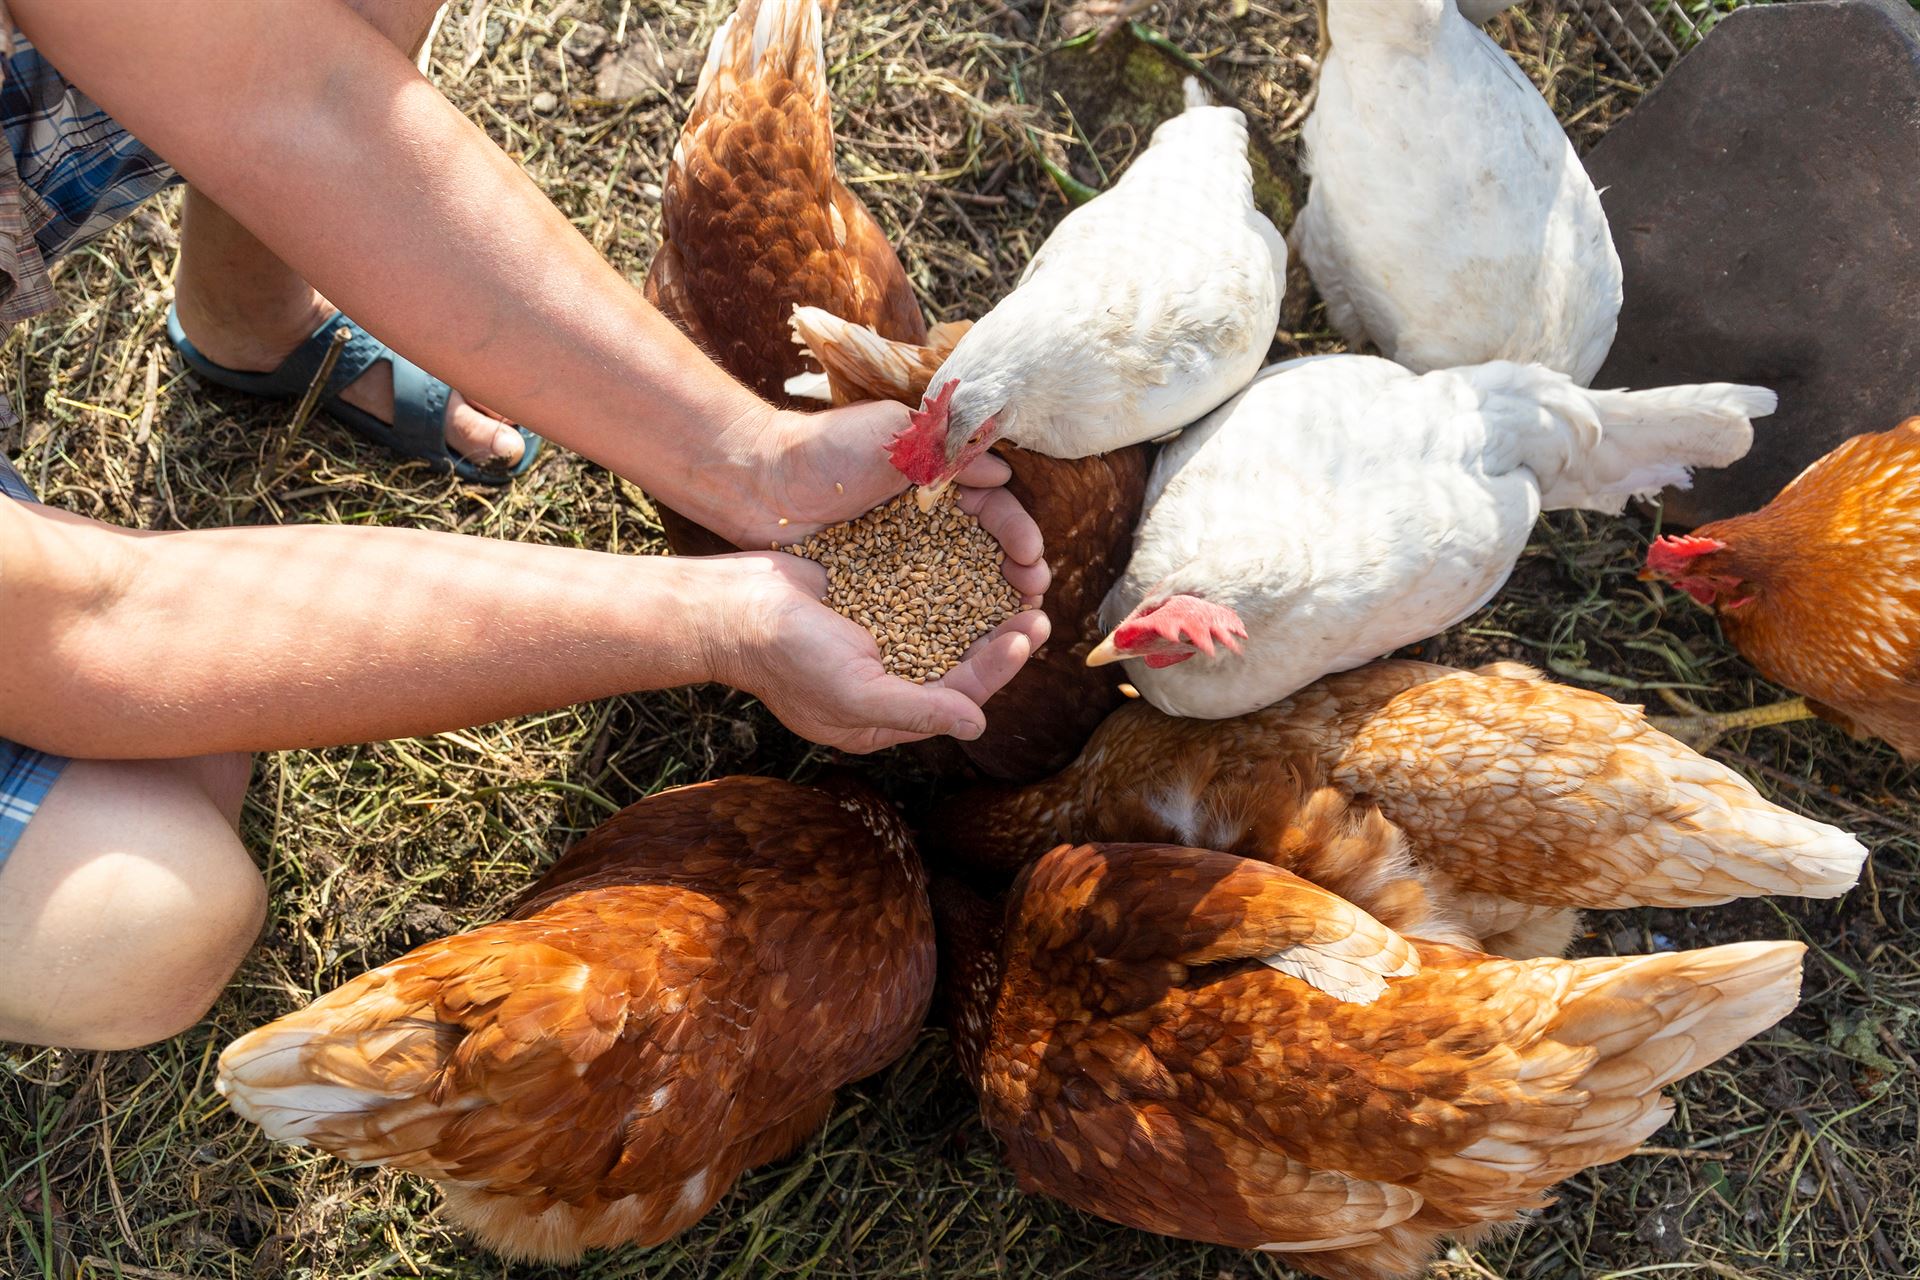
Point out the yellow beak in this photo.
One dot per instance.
(927, 496)
(1105, 652)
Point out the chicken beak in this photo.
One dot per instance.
(1105, 652)
(927, 496)
(1647, 575)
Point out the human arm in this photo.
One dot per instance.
(310, 128)
(141, 645)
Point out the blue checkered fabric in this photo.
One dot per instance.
(12, 485)
(26, 775)
(79, 171)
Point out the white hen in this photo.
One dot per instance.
(1146, 307)
(1449, 221)
(1342, 507)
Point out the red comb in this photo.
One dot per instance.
(1671, 553)
(1183, 620)
(920, 452)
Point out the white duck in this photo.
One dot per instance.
(1146, 307)
(1449, 221)
(1342, 506)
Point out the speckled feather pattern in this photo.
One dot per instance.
(675, 1001)
(1833, 566)
(1514, 793)
(1136, 1059)
(1449, 220)
(756, 221)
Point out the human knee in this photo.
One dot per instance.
(133, 922)
(178, 967)
(167, 966)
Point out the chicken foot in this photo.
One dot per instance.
(1701, 729)
(1107, 16)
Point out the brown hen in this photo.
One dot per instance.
(1205, 1046)
(1820, 590)
(1520, 798)
(1086, 509)
(755, 220)
(674, 1002)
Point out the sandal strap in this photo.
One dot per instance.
(361, 352)
(419, 407)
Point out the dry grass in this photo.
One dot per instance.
(1795, 1158)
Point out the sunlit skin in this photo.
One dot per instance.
(327, 171)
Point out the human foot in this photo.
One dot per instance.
(255, 343)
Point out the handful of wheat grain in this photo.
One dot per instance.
(926, 584)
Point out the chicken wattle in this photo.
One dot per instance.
(1342, 506)
(675, 1001)
(1086, 509)
(1820, 589)
(755, 220)
(1145, 308)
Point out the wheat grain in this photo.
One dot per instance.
(926, 584)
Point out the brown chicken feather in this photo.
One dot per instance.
(674, 1002)
(1820, 588)
(1086, 509)
(1519, 797)
(1158, 1035)
(755, 220)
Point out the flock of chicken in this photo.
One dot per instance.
(1272, 958)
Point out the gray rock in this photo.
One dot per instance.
(1765, 200)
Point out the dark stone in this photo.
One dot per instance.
(1765, 200)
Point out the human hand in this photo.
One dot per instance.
(820, 673)
(817, 469)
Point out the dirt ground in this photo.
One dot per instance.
(1795, 1158)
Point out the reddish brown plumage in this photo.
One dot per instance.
(1832, 569)
(1519, 797)
(1086, 509)
(755, 220)
(675, 1001)
(1158, 1037)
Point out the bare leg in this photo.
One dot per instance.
(1701, 729)
(127, 903)
(246, 309)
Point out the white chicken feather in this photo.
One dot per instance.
(1342, 506)
(1145, 308)
(1449, 220)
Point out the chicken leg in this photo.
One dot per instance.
(1701, 729)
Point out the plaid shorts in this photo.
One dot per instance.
(82, 173)
(26, 775)
(68, 173)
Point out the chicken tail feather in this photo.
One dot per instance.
(1626, 1029)
(780, 38)
(862, 365)
(1596, 449)
(1652, 440)
(340, 1073)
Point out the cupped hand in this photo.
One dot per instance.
(817, 469)
(820, 673)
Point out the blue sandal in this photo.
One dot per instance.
(419, 428)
